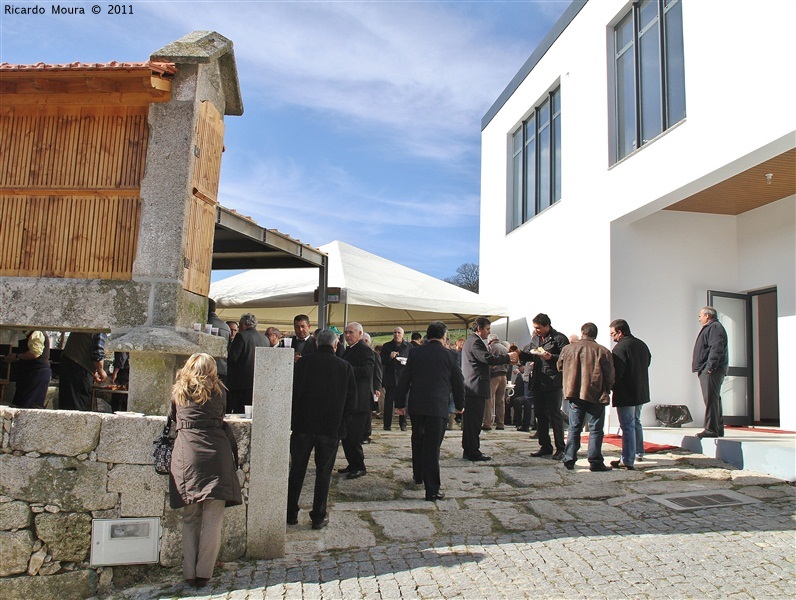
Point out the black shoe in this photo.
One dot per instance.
(558, 455)
(435, 497)
(480, 458)
(191, 582)
(540, 453)
(486, 429)
(344, 470)
(499, 427)
(356, 474)
(569, 464)
(320, 524)
(201, 582)
(418, 481)
(525, 429)
(534, 435)
(707, 434)
(403, 427)
(388, 429)
(599, 467)
(292, 519)
(618, 464)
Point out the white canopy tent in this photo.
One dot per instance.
(374, 291)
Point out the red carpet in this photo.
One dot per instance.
(616, 440)
(757, 429)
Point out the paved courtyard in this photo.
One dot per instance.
(520, 527)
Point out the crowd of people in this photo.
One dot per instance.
(340, 384)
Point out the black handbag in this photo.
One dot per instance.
(161, 457)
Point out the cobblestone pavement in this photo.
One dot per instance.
(520, 527)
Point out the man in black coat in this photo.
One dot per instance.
(303, 342)
(224, 332)
(240, 363)
(632, 359)
(710, 362)
(324, 396)
(393, 358)
(363, 360)
(431, 374)
(545, 384)
(476, 360)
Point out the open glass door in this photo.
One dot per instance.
(735, 313)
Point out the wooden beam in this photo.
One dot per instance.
(101, 84)
(89, 98)
(24, 192)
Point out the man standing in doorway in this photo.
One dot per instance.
(710, 363)
(476, 360)
(363, 360)
(631, 390)
(393, 358)
(545, 384)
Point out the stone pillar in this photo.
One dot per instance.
(155, 355)
(269, 453)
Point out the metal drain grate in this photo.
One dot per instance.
(703, 499)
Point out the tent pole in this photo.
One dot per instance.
(323, 285)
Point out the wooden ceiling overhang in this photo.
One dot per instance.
(757, 186)
(86, 84)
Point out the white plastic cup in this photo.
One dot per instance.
(247, 411)
(209, 328)
(288, 342)
(214, 331)
(197, 327)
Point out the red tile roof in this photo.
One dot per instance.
(163, 68)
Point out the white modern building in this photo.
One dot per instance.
(642, 164)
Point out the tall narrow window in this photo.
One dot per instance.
(535, 162)
(648, 73)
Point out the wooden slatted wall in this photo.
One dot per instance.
(70, 181)
(204, 198)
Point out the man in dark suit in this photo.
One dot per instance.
(631, 390)
(431, 374)
(324, 396)
(363, 360)
(378, 375)
(393, 357)
(476, 360)
(303, 342)
(240, 363)
(224, 332)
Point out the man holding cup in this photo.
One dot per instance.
(303, 342)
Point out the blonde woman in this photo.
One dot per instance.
(203, 477)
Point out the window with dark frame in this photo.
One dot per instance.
(536, 162)
(649, 77)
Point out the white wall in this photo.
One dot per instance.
(661, 268)
(658, 266)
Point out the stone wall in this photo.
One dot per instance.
(61, 469)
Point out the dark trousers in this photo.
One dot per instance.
(389, 404)
(237, 399)
(471, 425)
(427, 435)
(74, 386)
(352, 444)
(711, 394)
(528, 418)
(547, 404)
(32, 387)
(301, 445)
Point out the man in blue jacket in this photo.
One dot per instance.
(710, 363)
(432, 373)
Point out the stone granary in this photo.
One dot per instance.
(109, 211)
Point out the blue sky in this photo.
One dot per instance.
(362, 120)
